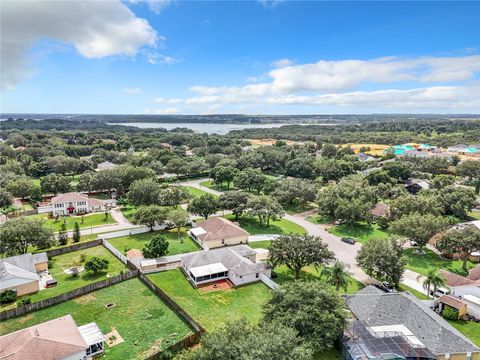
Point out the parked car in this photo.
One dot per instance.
(350, 241)
(440, 292)
(384, 286)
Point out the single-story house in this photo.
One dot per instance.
(454, 303)
(465, 288)
(413, 186)
(235, 263)
(398, 325)
(217, 232)
(364, 157)
(53, 340)
(20, 273)
(380, 210)
(106, 165)
(77, 203)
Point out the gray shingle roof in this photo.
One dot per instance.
(403, 308)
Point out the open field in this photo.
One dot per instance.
(430, 260)
(68, 282)
(177, 245)
(89, 220)
(375, 149)
(139, 316)
(310, 273)
(212, 309)
(359, 231)
(281, 226)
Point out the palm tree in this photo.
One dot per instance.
(336, 275)
(433, 280)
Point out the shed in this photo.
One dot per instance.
(455, 303)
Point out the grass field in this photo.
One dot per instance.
(468, 328)
(68, 282)
(309, 273)
(414, 292)
(139, 316)
(212, 309)
(260, 244)
(298, 208)
(430, 260)
(359, 231)
(281, 226)
(211, 185)
(475, 215)
(194, 192)
(128, 211)
(88, 221)
(177, 245)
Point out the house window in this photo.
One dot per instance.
(257, 275)
(58, 205)
(81, 203)
(223, 241)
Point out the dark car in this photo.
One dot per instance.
(385, 286)
(350, 241)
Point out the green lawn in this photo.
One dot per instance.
(139, 316)
(260, 244)
(68, 282)
(422, 263)
(194, 192)
(320, 219)
(414, 292)
(359, 231)
(475, 215)
(284, 275)
(212, 309)
(177, 245)
(298, 208)
(281, 226)
(128, 211)
(211, 185)
(468, 328)
(88, 221)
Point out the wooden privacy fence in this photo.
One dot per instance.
(22, 310)
(73, 247)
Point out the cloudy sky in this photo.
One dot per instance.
(252, 57)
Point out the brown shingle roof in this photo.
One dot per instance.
(474, 274)
(380, 210)
(452, 301)
(51, 340)
(218, 228)
(455, 279)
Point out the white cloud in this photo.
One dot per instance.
(154, 58)
(132, 91)
(95, 28)
(270, 4)
(164, 111)
(155, 6)
(282, 63)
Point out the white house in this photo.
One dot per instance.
(53, 340)
(76, 203)
(235, 263)
(21, 273)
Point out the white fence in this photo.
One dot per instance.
(269, 282)
(114, 251)
(127, 232)
(45, 209)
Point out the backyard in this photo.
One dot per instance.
(177, 245)
(253, 226)
(468, 328)
(86, 221)
(430, 260)
(139, 316)
(68, 282)
(212, 309)
(359, 231)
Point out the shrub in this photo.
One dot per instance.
(450, 313)
(8, 296)
(24, 301)
(96, 264)
(83, 257)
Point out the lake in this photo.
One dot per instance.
(220, 129)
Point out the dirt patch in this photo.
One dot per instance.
(113, 338)
(216, 286)
(84, 299)
(25, 318)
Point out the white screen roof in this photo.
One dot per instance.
(197, 231)
(392, 330)
(209, 269)
(91, 333)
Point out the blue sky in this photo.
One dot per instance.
(175, 57)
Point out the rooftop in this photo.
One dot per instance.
(217, 228)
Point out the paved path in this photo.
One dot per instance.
(263, 237)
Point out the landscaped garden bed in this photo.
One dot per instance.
(143, 320)
(212, 309)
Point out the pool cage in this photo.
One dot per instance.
(360, 343)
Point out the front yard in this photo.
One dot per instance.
(140, 317)
(212, 309)
(89, 220)
(362, 232)
(281, 226)
(430, 260)
(68, 282)
(177, 245)
(194, 192)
